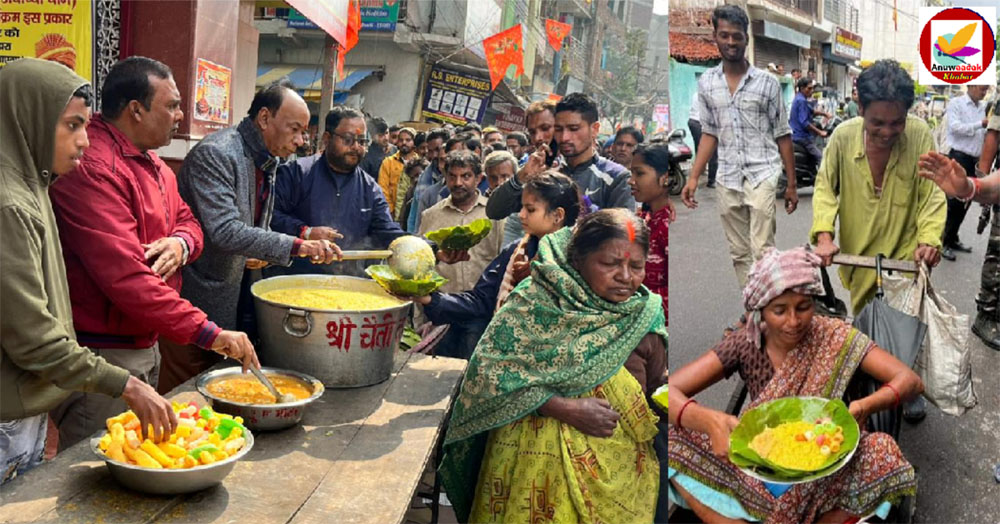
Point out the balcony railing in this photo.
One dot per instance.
(576, 55)
(809, 8)
(841, 13)
(575, 7)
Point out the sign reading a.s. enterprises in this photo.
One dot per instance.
(847, 44)
(456, 98)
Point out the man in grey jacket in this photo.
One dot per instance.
(228, 180)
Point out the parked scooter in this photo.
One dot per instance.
(679, 153)
(805, 167)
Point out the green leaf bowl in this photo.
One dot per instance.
(791, 409)
(461, 238)
(392, 282)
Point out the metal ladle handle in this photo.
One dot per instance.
(267, 383)
(367, 255)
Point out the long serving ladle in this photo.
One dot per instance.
(280, 397)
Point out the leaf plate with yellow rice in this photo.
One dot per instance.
(794, 439)
(394, 283)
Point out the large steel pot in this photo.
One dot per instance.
(343, 349)
(261, 417)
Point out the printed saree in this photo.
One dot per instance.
(553, 336)
(821, 365)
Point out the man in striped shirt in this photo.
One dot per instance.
(743, 116)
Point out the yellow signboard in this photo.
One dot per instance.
(57, 30)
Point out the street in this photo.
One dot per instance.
(953, 456)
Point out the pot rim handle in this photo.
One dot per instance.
(296, 332)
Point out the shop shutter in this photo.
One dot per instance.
(766, 50)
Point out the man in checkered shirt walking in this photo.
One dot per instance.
(743, 115)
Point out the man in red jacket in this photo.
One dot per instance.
(125, 232)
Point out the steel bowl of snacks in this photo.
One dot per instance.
(198, 455)
(239, 395)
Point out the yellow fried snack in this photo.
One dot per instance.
(158, 455)
(143, 459)
(203, 437)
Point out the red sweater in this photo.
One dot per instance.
(117, 200)
(657, 260)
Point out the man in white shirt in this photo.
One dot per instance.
(964, 136)
(743, 117)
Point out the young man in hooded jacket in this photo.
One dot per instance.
(44, 110)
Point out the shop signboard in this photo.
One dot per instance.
(846, 44)
(376, 16)
(57, 30)
(297, 21)
(509, 117)
(455, 97)
(379, 15)
(329, 15)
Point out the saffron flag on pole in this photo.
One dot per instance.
(353, 25)
(556, 32)
(341, 57)
(503, 50)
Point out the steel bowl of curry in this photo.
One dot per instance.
(232, 392)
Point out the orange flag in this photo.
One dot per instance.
(341, 57)
(502, 50)
(353, 25)
(556, 32)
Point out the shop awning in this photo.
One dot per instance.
(308, 80)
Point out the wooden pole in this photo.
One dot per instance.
(330, 57)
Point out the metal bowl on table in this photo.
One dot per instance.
(171, 481)
(342, 348)
(261, 417)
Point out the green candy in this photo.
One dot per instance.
(196, 452)
(226, 427)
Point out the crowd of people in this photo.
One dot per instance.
(123, 279)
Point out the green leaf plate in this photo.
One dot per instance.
(790, 409)
(406, 287)
(461, 238)
(660, 397)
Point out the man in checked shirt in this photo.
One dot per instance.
(743, 115)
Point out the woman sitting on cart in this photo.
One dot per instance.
(553, 421)
(783, 351)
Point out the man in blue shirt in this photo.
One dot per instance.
(800, 120)
(329, 197)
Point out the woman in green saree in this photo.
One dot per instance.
(553, 422)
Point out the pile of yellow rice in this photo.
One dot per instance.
(323, 298)
(779, 446)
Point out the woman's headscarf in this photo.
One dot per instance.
(553, 336)
(776, 272)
